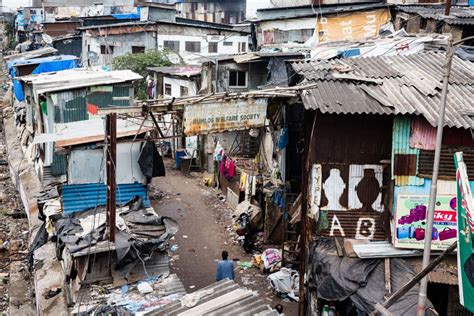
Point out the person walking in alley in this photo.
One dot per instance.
(225, 268)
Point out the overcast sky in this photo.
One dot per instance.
(253, 5)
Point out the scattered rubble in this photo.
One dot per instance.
(16, 289)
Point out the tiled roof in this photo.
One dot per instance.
(390, 85)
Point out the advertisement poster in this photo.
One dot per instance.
(352, 26)
(410, 221)
(465, 253)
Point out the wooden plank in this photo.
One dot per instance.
(404, 289)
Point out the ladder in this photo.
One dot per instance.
(291, 237)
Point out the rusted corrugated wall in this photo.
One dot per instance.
(351, 150)
(351, 139)
(404, 158)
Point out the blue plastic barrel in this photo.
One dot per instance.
(179, 154)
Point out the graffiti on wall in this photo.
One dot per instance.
(341, 187)
(358, 225)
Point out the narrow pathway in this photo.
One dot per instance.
(200, 238)
(202, 234)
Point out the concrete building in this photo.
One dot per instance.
(223, 11)
(190, 40)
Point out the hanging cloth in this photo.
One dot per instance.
(150, 161)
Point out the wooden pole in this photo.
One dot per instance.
(308, 132)
(398, 294)
(111, 156)
(447, 7)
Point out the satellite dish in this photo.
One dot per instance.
(93, 57)
(48, 39)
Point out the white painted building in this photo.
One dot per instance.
(191, 42)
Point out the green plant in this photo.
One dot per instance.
(139, 63)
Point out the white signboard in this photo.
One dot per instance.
(205, 118)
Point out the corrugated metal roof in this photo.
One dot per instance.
(80, 197)
(32, 54)
(445, 273)
(89, 131)
(182, 71)
(39, 60)
(457, 16)
(382, 249)
(390, 85)
(77, 78)
(223, 298)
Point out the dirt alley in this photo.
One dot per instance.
(202, 220)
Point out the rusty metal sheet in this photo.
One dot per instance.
(358, 225)
(447, 169)
(215, 117)
(365, 183)
(355, 187)
(405, 165)
(344, 139)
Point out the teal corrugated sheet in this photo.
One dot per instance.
(121, 91)
(401, 145)
(100, 98)
(75, 110)
(59, 165)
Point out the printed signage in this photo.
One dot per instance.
(205, 118)
(352, 26)
(410, 221)
(465, 226)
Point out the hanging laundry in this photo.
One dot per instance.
(227, 167)
(283, 140)
(150, 162)
(218, 152)
(243, 181)
(278, 197)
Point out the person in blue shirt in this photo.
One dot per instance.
(225, 268)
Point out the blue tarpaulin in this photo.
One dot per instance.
(44, 64)
(128, 16)
(350, 52)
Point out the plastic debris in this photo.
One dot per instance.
(174, 248)
(144, 288)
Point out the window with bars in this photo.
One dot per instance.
(242, 47)
(172, 45)
(106, 49)
(212, 48)
(183, 91)
(167, 89)
(237, 78)
(227, 44)
(192, 47)
(138, 49)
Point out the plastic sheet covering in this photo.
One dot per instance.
(45, 64)
(362, 281)
(140, 233)
(465, 52)
(150, 162)
(277, 72)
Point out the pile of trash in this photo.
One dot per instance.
(285, 283)
(134, 299)
(247, 227)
